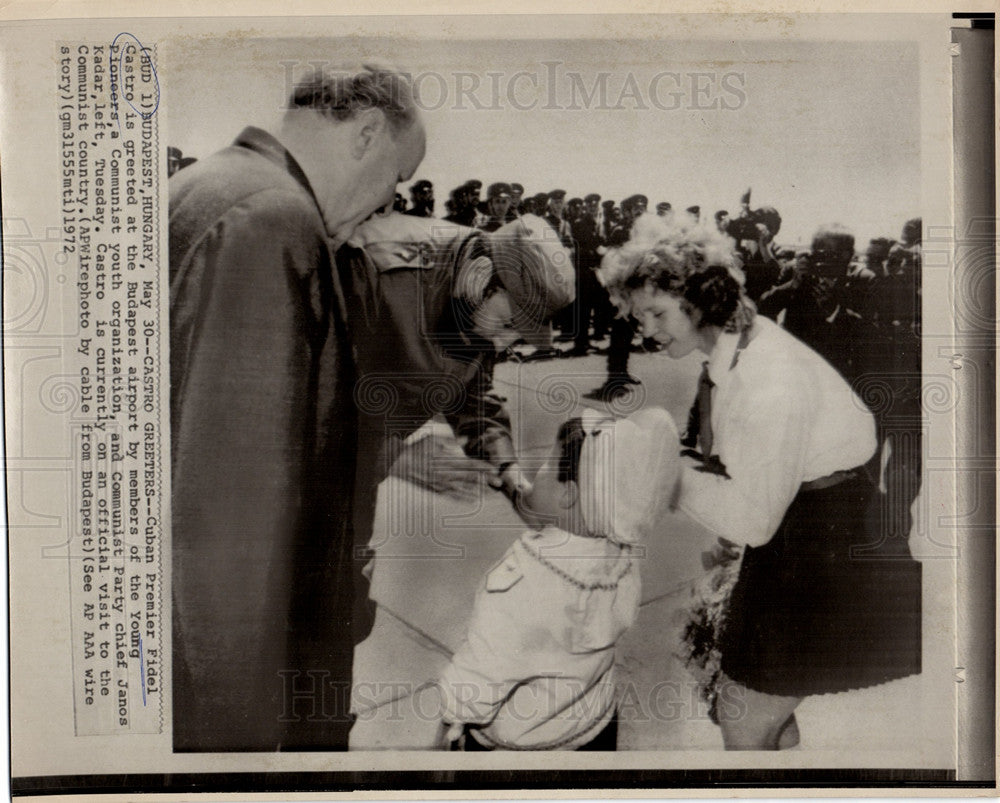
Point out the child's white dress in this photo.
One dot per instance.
(536, 670)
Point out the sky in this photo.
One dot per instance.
(823, 131)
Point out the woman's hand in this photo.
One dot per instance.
(448, 736)
(722, 553)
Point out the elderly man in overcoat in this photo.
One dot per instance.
(262, 413)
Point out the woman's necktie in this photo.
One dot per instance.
(700, 427)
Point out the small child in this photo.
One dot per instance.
(536, 669)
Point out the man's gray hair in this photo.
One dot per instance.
(340, 95)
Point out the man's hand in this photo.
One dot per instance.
(511, 480)
(430, 464)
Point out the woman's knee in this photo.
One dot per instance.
(757, 721)
(751, 732)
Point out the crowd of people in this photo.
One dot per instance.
(859, 310)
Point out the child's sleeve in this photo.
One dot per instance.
(489, 665)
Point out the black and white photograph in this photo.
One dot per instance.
(547, 395)
(384, 389)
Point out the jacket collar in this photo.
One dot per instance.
(260, 141)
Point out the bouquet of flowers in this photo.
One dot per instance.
(702, 621)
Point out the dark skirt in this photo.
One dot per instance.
(606, 739)
(817, 609)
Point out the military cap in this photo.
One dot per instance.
(498, 190)
(556, 194)
(635, 200)
(534, 268)
(592, 197)
(421, 185)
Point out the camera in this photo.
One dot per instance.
(744, 227)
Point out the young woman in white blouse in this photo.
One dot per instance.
(782, 443)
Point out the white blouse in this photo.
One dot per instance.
(781, 416)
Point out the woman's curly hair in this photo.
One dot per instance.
(696, 263)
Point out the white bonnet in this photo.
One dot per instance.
(628, 472)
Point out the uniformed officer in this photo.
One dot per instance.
(422, 198)
(622, 329)
(516, 196)
(498, 200)
(430, 306)
(591, 296)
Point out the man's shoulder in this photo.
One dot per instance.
(237, 177)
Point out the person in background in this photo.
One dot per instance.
(262, 413)
(891, 360)
(591, 297)
(722, 220)
(876, 256)
(554, 217)
(786, 260)
(607, 221)
(399, 203)
(817, 301)
(473, 187)
(422, 198)
(457, 201)
(574, 208)
(694, 214)
(664, 209)
(754, 231)
(516, 201)
(614, 219)
(622, 328)
(498, 198)
(541, 203)
(464, 200)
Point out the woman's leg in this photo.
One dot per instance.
(751, 720)
(789, 736)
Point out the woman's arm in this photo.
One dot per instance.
(762, 444)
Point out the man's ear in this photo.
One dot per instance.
(369, 126)
(570, 495)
